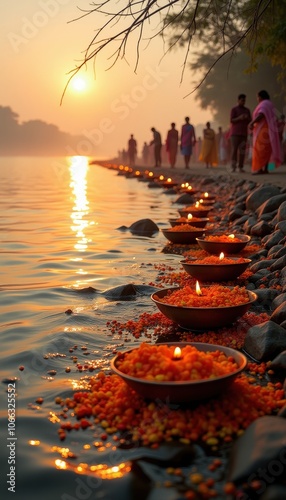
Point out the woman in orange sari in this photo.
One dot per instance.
(266, 154)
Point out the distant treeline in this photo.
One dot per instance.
(33, 137)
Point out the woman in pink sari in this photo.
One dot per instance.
(266, 153)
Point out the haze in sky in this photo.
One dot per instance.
(40, 45)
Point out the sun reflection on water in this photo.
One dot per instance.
(78, 171)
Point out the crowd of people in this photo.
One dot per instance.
(257, 138)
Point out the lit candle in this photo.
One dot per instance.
(231, 236)
(169, 179)
(221, 256)
(177, 354)
(198, 290)
(182, 185)
(197, 204)
(150, 174)
(201, 200)
(206, 194)
(161, 178)
(190, 217)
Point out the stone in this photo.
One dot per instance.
(279, 300)
(278, 264)
(274, 238)
(260, 453)
(185, 199)
(281, 213)
(265, 341)
(271, 205)
(260, 195)
(261, 228)
(281, 226)
(279, 314)
(261, 264)
(279, 363)
(144, 227)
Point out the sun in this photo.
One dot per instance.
(79, 84)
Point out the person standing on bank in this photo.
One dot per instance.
(132, 151)
(240, 117)
(157, 143)
(266, 152)
(172, 144)
(188, 140)
(209, 147)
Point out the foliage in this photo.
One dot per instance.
(256, 25)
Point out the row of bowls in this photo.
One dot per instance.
(197, 318)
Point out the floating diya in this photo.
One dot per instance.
(183, 234)
(211, 307)
(226, 243)
(190, 219)
(179, 373)
(169, 183)
(215, 268)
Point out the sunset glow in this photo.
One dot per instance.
(79, 84)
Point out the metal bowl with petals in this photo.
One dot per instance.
(201, 318)
(227, 247)
(183, 237)
(195, 221)
(185, 391)
(215, 272)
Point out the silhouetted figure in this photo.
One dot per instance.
(132, 150)
(222, 146)
(157, 143)
(172, 144)
(240, 117)
(209, 147)
(145, 153)
(188, 140)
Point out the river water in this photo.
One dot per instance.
(60, 241)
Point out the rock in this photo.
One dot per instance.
(281, 213)
(279, 363)
(272, 252)
(144, 227)
(185, 199)
(272, 204)
(125, 292)
(273, 239)
(261, 264)
(260, 453)
(260, 195)
(279, 314)
(235, 214)
(278, 264)
(261, 229)
(279, 300)
(265, 341)
(265, 296)
(281, 226)
(249, 224)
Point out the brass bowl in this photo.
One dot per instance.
(228, 247)
(183, 237)
(185, 391)
(215, 272)
(201, 318)
(200, 222)
(201, 212)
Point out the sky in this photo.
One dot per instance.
(41, 43)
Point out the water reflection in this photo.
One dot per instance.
(78, 171)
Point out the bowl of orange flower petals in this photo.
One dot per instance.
(193, 221)
(215, 268)
(226, 243)
(196, 210)
(204, 308)
(179, 372)
(183, 234)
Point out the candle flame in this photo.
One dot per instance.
(198, 289)
(206, 194)
(201, 200)
(190, 216)
(221, 256)
(150, 174)
(197, 204)
(161, 177)
(177, 353)
(190, 188)
(182, 185)
(231, 236)
(169, 179)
